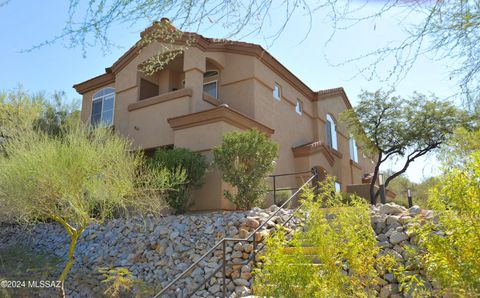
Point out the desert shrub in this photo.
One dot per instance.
(188, 166)
(245, 159)
(118, 280)
(20, 110)
(339, 236)
(450, 241)
(282, 196)
(81, 177)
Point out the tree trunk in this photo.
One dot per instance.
(373, 198)
(71, 258)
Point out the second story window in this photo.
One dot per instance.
(210, 83)
(331, 132)
(211, 89)
(353, 149)
(103, 105)
(299, 107)
(277, 91)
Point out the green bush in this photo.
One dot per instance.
(450, 241)
(338, 236)
(282, 196)
(83, 176)
(245, 159)
(189, 167)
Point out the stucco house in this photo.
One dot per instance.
(217, 86)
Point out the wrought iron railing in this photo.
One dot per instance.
(275, 189)
(223, 244)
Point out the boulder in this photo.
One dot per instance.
(252, 223)
(397, 237)
(241, 282)
(414, 210)
(391, 208)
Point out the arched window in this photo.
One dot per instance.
(331, 132)
(353, 149)
(103, 105)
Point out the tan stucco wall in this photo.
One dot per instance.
(245, 83)
(148, 127)
(202, 138)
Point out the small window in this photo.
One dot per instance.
(338, 186)
(103, 105)
(211, 89)
(277, 92)
(353, 149)
(299, 107)
(331, 132)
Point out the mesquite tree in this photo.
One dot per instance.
(391, 127)
(439, 29)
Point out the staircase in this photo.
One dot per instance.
(173, 289)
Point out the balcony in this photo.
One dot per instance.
(184, 92)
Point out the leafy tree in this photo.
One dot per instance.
(338, 236)
(393, 127)
(460, 146)
(190, 168)
(84, 176)
(56, 115)
(421, 190)
(438, 29)
(20, 110)
(399, 186)
(245, 158)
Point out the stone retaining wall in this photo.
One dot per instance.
(156, 250)
(391, 223)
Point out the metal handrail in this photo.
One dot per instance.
(274, 180)
(189, 268)
(290, 174)
(224, 240)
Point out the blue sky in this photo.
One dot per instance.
(27, 23)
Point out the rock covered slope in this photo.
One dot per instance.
(391, 223)
(156, 250)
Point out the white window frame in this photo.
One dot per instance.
(96, 98)
(353, 149)
(331, 128)
(299, 107)
(216, 87)
(277, 86)
(338, 186)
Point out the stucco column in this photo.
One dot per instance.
(315, 121)
(194, 67)
(164, 81)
